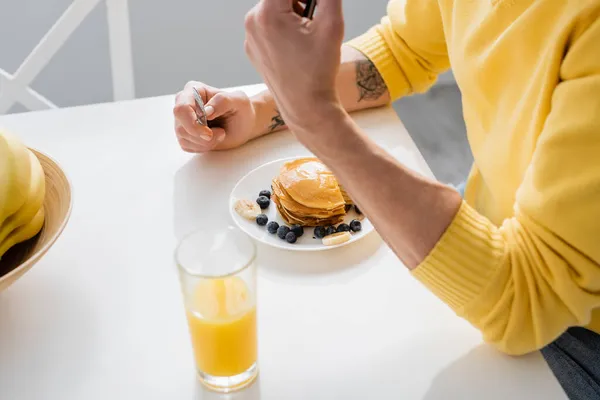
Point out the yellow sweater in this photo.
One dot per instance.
(521, 260)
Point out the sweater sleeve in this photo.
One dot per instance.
(525, 282)
(408, 47)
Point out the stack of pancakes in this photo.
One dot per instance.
(306, 193)
(347, 198)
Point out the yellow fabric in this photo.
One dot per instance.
(521, 260)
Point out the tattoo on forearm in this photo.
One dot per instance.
(369, 82)
(276, 122)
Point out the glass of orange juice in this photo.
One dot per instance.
(218, 279)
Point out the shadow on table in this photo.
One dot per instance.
(195, 184)
(483, 373)
(249, 393)
(346, 263)
(203, 184)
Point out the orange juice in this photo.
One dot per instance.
(222, 321)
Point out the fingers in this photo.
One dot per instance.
(187, 118)
(182, 132)
(192, 136)
(221, 107)
(185, 110)
(186, 96)
(224, 103)
(191, 144)
(186, 145)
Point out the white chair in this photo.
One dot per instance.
(15, 88)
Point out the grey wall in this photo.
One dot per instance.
(179, 40)
(173, 41)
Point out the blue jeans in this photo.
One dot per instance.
(574, 358)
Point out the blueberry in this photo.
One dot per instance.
(290, 237)
(330, 230)
(343, 228)
(262, 219)
(282, 231)
(272, 227)
(298, 230)
(320, 232)
(263, 202)
(265, 193)
(356, 226)
(357, 210)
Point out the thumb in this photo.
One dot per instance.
(220, 104)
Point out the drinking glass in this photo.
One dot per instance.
(217, 271)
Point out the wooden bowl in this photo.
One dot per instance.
(57, 207)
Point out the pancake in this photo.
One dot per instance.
(309, 182)
(292, 218)
(307, 193)
(291, 204)
(347, 198)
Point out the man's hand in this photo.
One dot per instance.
(298, 58)
(299, 61)
(231, 119)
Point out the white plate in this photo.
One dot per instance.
(260, 179)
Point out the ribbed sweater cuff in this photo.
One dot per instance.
(464, 260)
(373, 46)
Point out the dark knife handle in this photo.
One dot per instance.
(309, 10)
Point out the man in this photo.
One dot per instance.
(519, 257)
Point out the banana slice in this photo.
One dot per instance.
(337, 238)
(247, 209)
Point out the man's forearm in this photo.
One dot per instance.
(359, 86)
(409, 211)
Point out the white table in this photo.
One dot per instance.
(101, 316)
